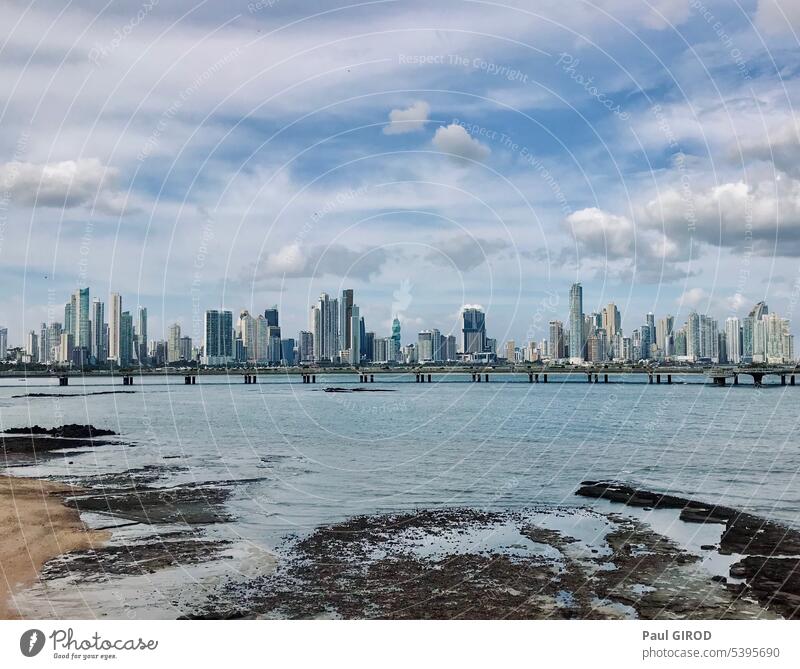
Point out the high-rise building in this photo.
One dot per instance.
(271, 316)
(355, 334)
(218, 337)
(693, 350)
(325, 326)
(576, 334)
(98, 332)
(306, 346)
(733, 340)
(81, 318)
(114, 327)
(44, 345)
(473, 329)
(611, 320)
(369, 346)
(396, 334)
(345, 319)
(273, 353)
(141, 335)
(451, 348)
(511, 351)
(287, 352)
(185, 349)
(556, 341)
(664, 335)
(125, 339)
(425, 346)
(709, 340)
(174, 343)
(32, 346)
(3, 344)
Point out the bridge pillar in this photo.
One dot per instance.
(187, 380)
(63, 380)
(783, 379)
(545, 378)
(530, 378)
(669, 378)
(487, 378)
(429, 378)
(735, 379)
(194, 380)
(589, 378)
(313, 378)
(605, 378)
(372, 378)
(719, 380)
(537, 378)
(791, 380)
(658, 378)
(478, 377)
(649, 378)
(757, 379)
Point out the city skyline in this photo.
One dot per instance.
(337, 333)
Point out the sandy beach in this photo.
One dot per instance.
(35, 526)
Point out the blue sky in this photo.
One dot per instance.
(197, 155)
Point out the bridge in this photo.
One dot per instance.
(719, 375)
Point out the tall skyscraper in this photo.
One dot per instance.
(271, 315)
(396, 333)
(306, 346)
(32, 346)
(345, 318)
(125, 339)
(44, 344)
(473, 329)
(664, 335)
(114, 327)
(81, 329)
(355, 334)
(141, 335)
(98, 336)
(556, 341)
(325, 326)
(612, 321)
(693, 350)
(218, 341)
(425, 346)
(3, 344)
(576, 335)
(174, 343)
(733, 340)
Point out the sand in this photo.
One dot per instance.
(35, 526)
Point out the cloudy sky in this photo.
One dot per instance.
(193, 155)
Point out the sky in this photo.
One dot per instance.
(196, 155)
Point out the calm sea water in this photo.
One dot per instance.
(318, 457)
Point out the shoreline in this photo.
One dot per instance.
(35, 527)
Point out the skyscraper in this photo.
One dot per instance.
(425, 346)
(396, 333)
(81, 330)
(3, 344)
(174, 343)
(218, 341)
(98, 336)
(325, 326)
(611, 320)
(305, 348)
(693, 350)
(733, 340)
(664, 335)
(271, 315)
(345, 318)
(141, 335)
(114, 327)
(576, 335)
(355, 333)
(556, 341)
(125, 339)
(473, 329)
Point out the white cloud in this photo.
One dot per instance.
(601, 233)
(68, 184)
(778, 17)
(693, 297)
(408, 120)
(455, 140)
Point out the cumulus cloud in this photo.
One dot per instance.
(763, 217)
(294, 261)
(693, 297)
(465, 253)
(68, 184)
(455, 140)
(780, 147)
(407, 120)
(778, 17)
